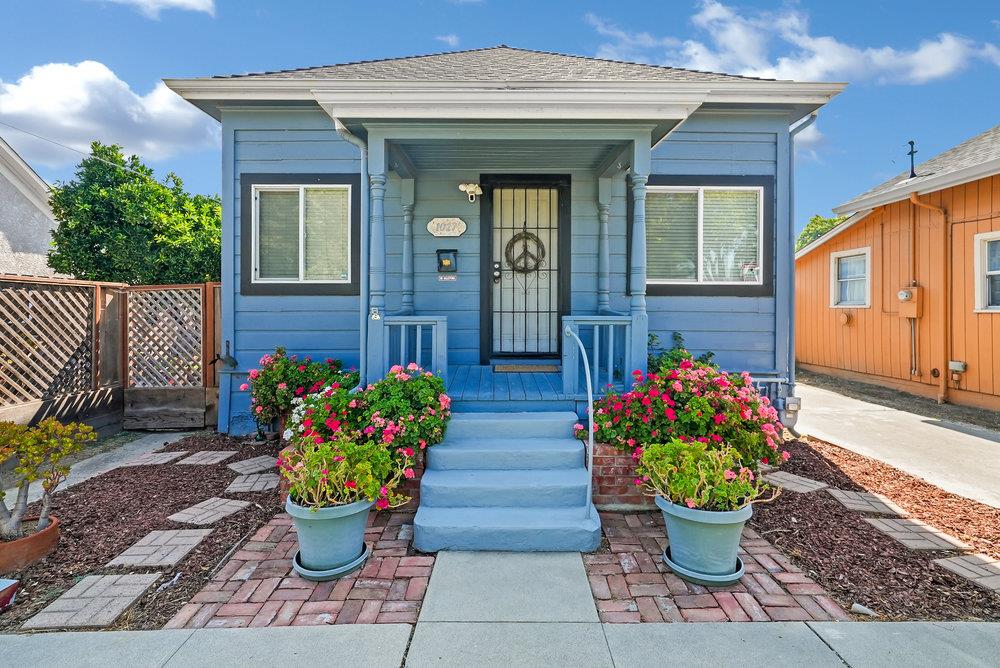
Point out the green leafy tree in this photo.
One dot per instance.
(815, 228)
(116, 222)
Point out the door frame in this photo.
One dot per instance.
(562, 183)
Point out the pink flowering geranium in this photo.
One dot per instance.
(691, 401)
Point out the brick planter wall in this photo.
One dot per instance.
(614, 481)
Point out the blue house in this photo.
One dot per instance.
(477, 211)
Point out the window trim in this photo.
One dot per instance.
(767, 242)
(250, 184)
(700, 191)
(980, 244)
(258, 188)
(835, 256)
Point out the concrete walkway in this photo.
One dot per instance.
(86, 469)
(817, 644)
(958, 458)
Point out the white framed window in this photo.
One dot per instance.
(850, 278)
(987, 267)
(301, 233)
(704, 235)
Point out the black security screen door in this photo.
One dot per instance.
(525, 267)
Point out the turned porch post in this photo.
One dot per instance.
(376, 309)
(407, 198)
(637, 275)
(603, 246)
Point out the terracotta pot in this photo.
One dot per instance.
(20, 553)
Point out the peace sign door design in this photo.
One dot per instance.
(525, 271)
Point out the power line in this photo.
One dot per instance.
(76, 150)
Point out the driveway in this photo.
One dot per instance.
(958, 458)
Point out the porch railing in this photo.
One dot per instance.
(422, 339)
(607, 341)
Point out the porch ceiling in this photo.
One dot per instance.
(514, 154)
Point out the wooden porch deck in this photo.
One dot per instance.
(469, 382)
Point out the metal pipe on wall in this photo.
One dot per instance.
(945, 293)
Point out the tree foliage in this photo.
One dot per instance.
(815, 228)
(116, 222)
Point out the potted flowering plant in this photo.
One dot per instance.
(39, 453)
(280, 379)
(332, 484)
(706, 496)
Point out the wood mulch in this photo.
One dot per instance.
(858, 564)
(103, 516)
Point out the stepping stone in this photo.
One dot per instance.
(208, 511)
(979, 568)
(254, 482)
(794, 483)
(95, 601)
(208, 457)
(161, 548)
(155, 458)
(255, 465)
(915, 534)
(866, 502)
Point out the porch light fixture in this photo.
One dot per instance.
(471, 189)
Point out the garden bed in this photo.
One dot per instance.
(858, 564)
(103, 516)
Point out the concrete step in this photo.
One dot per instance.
(509, 453)
(509, 406)
(517, 488)
(547, 424)
(505, 528)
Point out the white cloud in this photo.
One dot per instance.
(152, 8)
(76, 104)
(780, 45)
(808, 141)
(450, 39)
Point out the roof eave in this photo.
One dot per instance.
(930, 184)
(843, 227)
(24, 178)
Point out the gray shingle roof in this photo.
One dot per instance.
(498, 63)
(980, 149)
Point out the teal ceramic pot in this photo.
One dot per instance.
(329, 538)
(704, 544)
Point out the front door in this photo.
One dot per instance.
(526, 266)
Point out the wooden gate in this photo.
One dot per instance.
(170, 342)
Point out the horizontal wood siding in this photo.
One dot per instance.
(740, 331)
(320, 326)
(876, 341)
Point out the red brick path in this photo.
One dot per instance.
(631, 583)
(257, 586)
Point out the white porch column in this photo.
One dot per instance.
(603, 246)
(407, 198)
(637, 275)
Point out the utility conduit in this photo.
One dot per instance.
(945, 293)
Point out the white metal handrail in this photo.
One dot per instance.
(590, 420)
(603, 346)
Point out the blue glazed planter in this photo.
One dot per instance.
(704, 544)
(330, 539)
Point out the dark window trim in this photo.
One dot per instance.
(765, 289)
(247, 286)
(563, 183)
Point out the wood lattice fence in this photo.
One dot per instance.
(76, 349)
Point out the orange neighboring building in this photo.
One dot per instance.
(906, 291)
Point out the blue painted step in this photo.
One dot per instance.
(521, 488)
(513, 425)
(508, 529)
(499, 453)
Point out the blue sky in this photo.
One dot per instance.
(74, 70)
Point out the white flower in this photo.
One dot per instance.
(287, 435)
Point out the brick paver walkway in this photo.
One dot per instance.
(95, 601)
(794, 483)
(155, 458)
(255, 465)
(866, 502)
(979, 568)
(208, 457)
(631, 583)
(208, 511)
(161, 548)
(253, 482)
(257, 586)
(916, 535)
